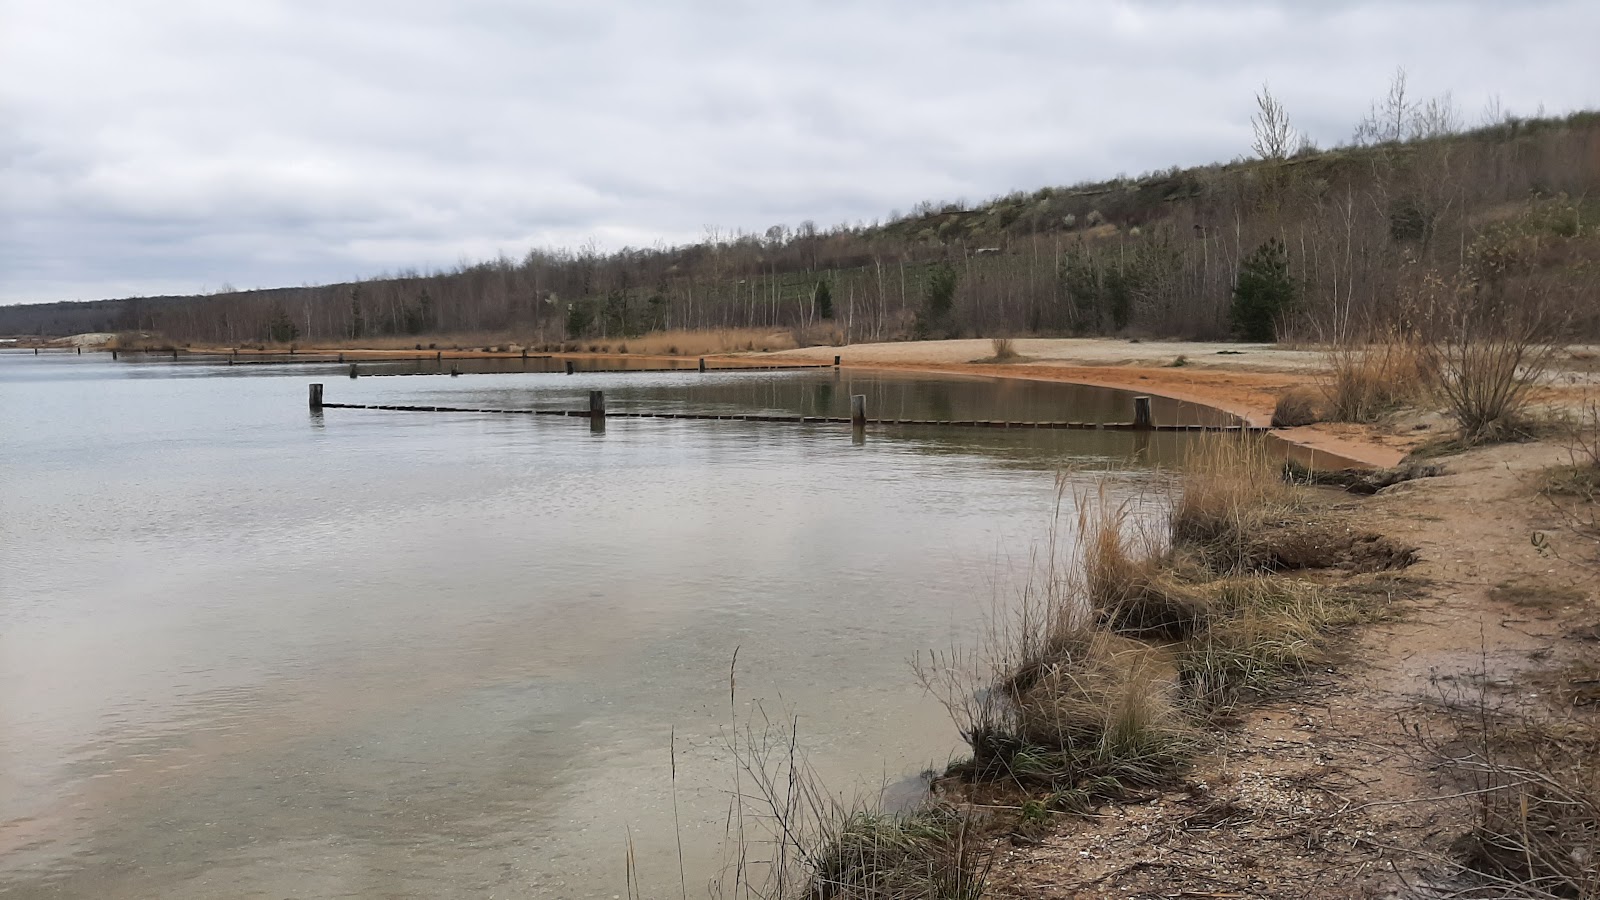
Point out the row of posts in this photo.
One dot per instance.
(858, 409)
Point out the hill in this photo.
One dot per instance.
(1320, 243)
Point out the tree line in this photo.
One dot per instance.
(1293, 240)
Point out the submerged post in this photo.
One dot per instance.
(836, 361)
(597, 404)
(352, 370)
(80, 350)
(702, 363)
(1141, 414)
(113, 354)
(316, 398)
(570, 367)
(858, 410)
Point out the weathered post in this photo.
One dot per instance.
(570, 367)
(836, 361)
(524, 352)
(858, 410)
(316, 398)
(702, 363)
(352, 370)
(341, 358)
(438, 356)
(113, 354)
(597, 404)
(36, 351)
(80, 351)
(1141, 414)
(174, 356)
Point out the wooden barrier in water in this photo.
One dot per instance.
(857, 419)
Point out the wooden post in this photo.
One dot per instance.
(316, 398)
(80, 351)
(524, 352)
(597, 405)
(341, 357)
(36, 351)
(570, 367)
(438, 356)
(858, 410)
(352, 370)
(702, 363)
(836, 361)
(454, 371)
(113, 354)
(1141, 414)
(174, 356)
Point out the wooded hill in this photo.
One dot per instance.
(1316, 243)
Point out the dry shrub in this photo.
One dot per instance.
(1534, 788)
(1298, 406)
(1004, 349)
(1231, 485)
(1366, 381)
(1485, 348)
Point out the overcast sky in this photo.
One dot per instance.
(174, 147)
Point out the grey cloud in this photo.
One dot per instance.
(172, 146)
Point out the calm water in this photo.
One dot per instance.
(250, 652)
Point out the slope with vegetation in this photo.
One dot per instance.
(1293, 242)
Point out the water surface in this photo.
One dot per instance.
(250, 651)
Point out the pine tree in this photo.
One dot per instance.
(1264, 294)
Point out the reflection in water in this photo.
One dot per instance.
(405, 654)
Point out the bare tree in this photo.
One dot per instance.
(1275, 136)
(1389, 120)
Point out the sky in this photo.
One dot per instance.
(190, 146)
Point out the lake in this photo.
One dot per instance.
(251, 651)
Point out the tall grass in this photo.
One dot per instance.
(1230, 486)
(1365, 381)
(793, 839)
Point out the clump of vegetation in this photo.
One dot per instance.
(1366, 380)
(1298, 406)
(1231, 487)
(1005, 349)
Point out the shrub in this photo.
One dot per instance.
(1485, 350)
(1297, 406)
(1004, 349)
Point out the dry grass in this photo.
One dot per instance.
(1055, 701)
(1533, 784)
(793, 839)
(709, 343)
(1004, 349)
(1364, 382)
(1231, 486)
(1298, 406)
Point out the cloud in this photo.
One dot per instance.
(173, 146)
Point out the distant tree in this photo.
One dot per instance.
(358, 323)
(1275, 137)
(281, 329)
(1264, 294)
(822, 297)
(580, 318)
(938, 301)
